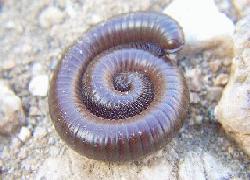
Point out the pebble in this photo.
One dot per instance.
(39, 85)
(34, 111)
(16, 143)
(194, 98)
(221, 79)
(11, 112)
(50, 16)
(227, 62)
(22, 154)
(198, 119)
(7, 65)
(201, 20)
(194, 79)
(40, 132)
(24, 134)
(214, 65)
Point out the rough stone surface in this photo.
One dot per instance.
(30, 49)
(11, 112)
(233, 110)
(24, 134)
(201, 20)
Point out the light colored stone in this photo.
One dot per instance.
(194, 79)
(194, 98)
(22, 154)
(24, 134)
(40, 132)
(221, 79)
(11, 112)
(34, 111)
(197, 119)
(16, 143)
(201, 20)
(7, 65)
(203, 167)
(233, 110)
(50, 16)
(39, 85)
(214, 65)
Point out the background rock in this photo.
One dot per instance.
(11, 112)
(233, 110)
(202, 22)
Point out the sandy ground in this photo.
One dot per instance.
(32, 42)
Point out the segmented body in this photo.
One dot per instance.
(115, 94)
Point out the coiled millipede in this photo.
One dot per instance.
(116, 95)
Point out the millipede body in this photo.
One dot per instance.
(116, 95)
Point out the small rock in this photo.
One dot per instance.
(199, 19)
(24, 134)
(34, 111)
(50, 16)
(194, 79)
(7, 65)
(198, 119)
(22, 154)
(16, 143)
(40, 132)
(221, 79)
(11, 112)
(39, 85)
(227, 62)
(194, 98)
(214, 93)
(214, 65)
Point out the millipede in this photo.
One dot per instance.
(116, 94)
